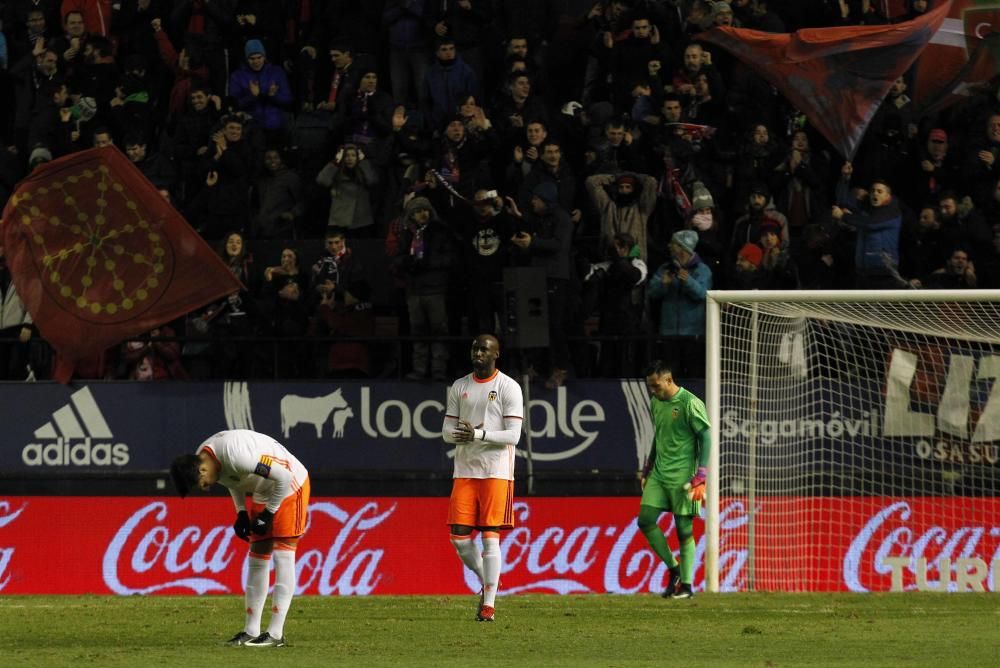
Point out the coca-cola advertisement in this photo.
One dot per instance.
(384, 545)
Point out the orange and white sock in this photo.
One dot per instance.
(258, 575)
(468, 552)
(492, 564)
(284, 589)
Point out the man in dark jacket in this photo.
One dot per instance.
(877, 223)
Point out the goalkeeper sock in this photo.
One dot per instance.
(258, 574)
(658, 542)
(469, 554)
(492, 563)
(284, 589)
(685, 536)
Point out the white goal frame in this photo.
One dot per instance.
(713, 386)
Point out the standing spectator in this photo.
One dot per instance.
(484, 235)
(261, 89)
(279, 200)
(961, 222)
(680, 285)
(551, 167)
(192, 138)
(96, 14)
(224, 201)
(31, 73)
(980, 169)
(931, 171)
(366, 118)
(154, 166)
(349, 178)
(447, 83)
(425, 257)
(483, 417)
(877, 223)
(205, 24)
(800, 184)
(923, 243)
(705, 218)
(343, 79)
(468, 24)
(409, 25)
(549, 245)
(285, 296)
(626, 209)
(673, 478)
(342, 307)
(760, 210)
(746, 274)
(16, 330)
(189, 73)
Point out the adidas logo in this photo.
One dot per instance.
(77, 435)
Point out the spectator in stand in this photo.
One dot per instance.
(16, 330)
(261, 89)
(747, 274)
(876, 220)
(72, 43)
(777, 264)
(549, 244)
(223, 203)
(284, 302)
(706, 219)
(554, 168)
(409, 25)
(980, 169)
(96, 14)
(349, 178)
(204, 26)
(188, 70)
(800, 183)
(527, 152)
(449, 81)
(236, 315)
(425, 258)
(517, 109)
(18, 17)
(679, 286)
(459, 160)
(468, 24)
(757, 163)
(614, 152)
(624, 203)
(922, 244)
(147, 359)
(343, 79)
(30, 72)
(630, 57)
(154, 166)
(279, 200)
(342, 308)
(760, 210)
(192, 138)
(366, 118)
(961, 223)
(697, 61)
(51, 125)
(958, 273)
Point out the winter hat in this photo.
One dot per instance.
(39, 154)
(418, 204)
(627, 178)
(254, 46)
(547, 192)
(686, 239)
(721, 8)
(769, 225)
(700, 197)
(752, 253)
(760, 188)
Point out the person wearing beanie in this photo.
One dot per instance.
(624, 203)
(746, 274)
(261, 89)
(679, 287)
(760, 210)
(424, 259)
(39, 155)
(705, 219)
(751, 254)
(549, 245)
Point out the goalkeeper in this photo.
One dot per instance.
(272, 522)
(673, 479)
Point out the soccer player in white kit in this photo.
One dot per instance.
(483, 418)
(248, 463)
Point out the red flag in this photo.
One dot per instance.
(964, 52)
(836, 76)
(98, 256)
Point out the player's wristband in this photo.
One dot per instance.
(483, 437)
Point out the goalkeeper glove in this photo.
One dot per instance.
(241, 527)
(696, 485)
(262, 523)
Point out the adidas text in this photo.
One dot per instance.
(64, 452)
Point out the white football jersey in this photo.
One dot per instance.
(253, 463)
(495, 405)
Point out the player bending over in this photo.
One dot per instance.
(483, 418)
(249, 463)
(673, 479)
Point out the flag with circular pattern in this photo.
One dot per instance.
(98, 255)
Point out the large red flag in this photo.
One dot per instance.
(964, 52)
(836, 76)
(98, 256)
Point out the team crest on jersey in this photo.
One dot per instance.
(675, 413)
(493, 395)
(264, 466)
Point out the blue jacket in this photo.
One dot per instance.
(877, 231)
(266, 109)
(682, 311)
(408, 23)
(444, 88)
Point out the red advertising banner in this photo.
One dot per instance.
(362, 546)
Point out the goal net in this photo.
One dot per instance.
(857, 437)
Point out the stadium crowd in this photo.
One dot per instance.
(451, 139)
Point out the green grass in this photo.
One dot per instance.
(709, 630)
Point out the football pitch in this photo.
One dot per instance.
(643, 630)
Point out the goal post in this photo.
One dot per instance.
(856, 440)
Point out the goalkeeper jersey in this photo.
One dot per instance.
(253, 463)
(677, 423)
(496, 405)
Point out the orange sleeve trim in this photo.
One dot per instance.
(512, 417)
